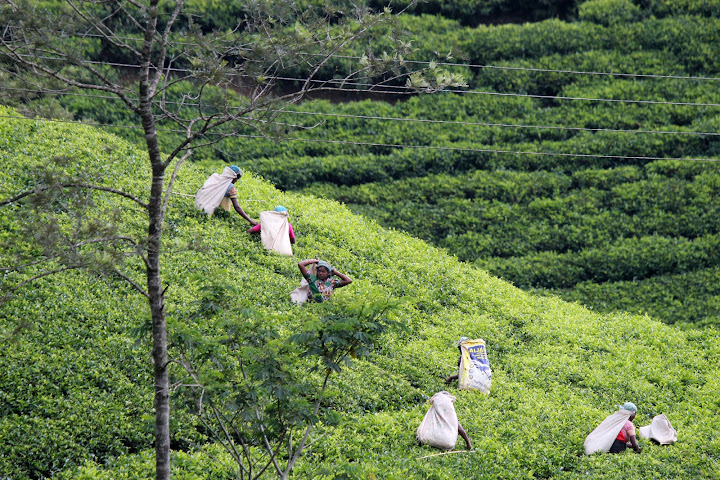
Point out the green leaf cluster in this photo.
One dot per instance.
(80, 383)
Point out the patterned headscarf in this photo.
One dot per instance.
(323, 263)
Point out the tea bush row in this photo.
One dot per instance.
(689, 299)
(625, 259)
(547, 356)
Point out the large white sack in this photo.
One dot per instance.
(602, 438)
(210, 195)
(275, 232)
(474, 371)
(300, 294)
(659, 430)
(439, 428)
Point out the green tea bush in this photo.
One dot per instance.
(472, 12)
(664, 8)
(608, 12)
(689, 298)
(548, 357)
(627, 259)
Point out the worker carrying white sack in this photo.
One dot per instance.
(219, 191)
(660, 430)
(318, 284)
(276, 232)
(615, 433)
(474, 371)
(440, 427)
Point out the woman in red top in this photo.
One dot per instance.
(626, 437)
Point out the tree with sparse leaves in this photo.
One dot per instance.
(167, 70)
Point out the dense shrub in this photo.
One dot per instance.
(515, 176)
(608, 12)
(547, 355)
(688, 298)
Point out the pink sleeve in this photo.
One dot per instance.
(628, 429)
(290, 230)
(255, 229)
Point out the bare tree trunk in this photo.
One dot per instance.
(159, 332)
(156, 217)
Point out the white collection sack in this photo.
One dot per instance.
(659, 430)
(301, 293)
(212, 193)
(602, 438)
(439, 428)
(275, 232)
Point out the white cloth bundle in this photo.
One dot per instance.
(212, 192)
(439, 428)
(301, 293)
(275, 232)
(602, 438)
(659, 430)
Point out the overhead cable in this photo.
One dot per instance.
(401, 119)
(483, 66)
(390, 145)
(407, 90)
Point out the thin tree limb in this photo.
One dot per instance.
(74, 185)
(36, 277)
(132, 283)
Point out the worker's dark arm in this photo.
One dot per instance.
(464, 435)
(242, 213)
(304, 264)
(344, 279)
(633, 442)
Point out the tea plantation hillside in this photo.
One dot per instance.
(76, 389)
(547, 171)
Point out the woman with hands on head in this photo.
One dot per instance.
(322, 285)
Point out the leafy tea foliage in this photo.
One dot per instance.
(79, 382)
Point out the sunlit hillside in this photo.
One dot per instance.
(76, 389)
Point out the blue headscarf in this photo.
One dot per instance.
(629, 406)
(280, 208)
(236, 169)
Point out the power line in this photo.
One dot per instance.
(504, 125)
(403, 119)
(406, 90)
(482, 66)
(390, 145)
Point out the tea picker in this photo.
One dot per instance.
(440, 427)
(219, 191)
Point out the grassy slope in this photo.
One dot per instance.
(559, 369)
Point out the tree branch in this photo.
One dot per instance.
(75, 185)
(132, 283)
(172, 180)
(36, 277)
(301, 446)
(163, 48)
